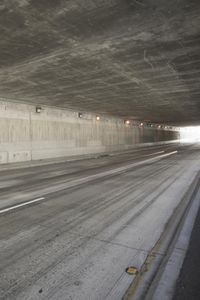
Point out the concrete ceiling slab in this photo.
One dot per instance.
(130, 58)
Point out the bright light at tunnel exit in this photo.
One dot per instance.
(190, 134)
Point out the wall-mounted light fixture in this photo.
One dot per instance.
(38, 109)
(127, 122)
(141, 124)
(98, 118)
(80, 115)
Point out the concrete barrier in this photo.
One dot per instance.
(26, 135)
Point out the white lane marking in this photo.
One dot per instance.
(117, 170)
(159, 152)
(20, 205)
(92, 177)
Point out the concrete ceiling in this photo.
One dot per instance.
(131, 58)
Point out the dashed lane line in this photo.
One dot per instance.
(20, 205)
(92, 177)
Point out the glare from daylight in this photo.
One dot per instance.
(190, 134)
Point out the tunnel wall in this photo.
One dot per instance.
(26, 135)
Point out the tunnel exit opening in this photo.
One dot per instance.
(190, 134)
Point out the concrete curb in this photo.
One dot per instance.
(156, 279)
(167, 283)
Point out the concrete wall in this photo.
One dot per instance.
(27, 135)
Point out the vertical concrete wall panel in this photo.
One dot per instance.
(26, 135)
(15, 142)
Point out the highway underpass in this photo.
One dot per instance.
(99, 147)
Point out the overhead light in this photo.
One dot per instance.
(127, 122)
(141, 124)
(97, 118)
(80, 115)
(38, 109)
(159, 126)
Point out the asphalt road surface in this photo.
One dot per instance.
(69, 230)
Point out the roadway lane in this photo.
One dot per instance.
(77, 242)
(25, 183)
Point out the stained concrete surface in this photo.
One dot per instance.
(77, 243)
(134, 58)
(26, 135)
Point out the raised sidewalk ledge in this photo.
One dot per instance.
(158, 276)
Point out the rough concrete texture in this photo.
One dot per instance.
(78, 242)
(133, 58)
(27, 135)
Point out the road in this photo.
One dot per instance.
(69, 230)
